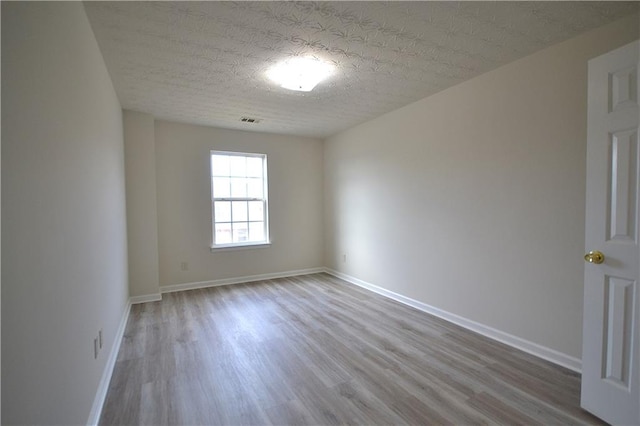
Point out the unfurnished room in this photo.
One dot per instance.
(318, 213)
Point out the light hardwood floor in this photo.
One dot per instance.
(317, 350)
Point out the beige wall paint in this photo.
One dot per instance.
(472, 200)
(64, 248)
(184, 203)
(142, 216)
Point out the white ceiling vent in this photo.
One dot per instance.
(250, 120)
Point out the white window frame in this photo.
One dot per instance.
(265, 200)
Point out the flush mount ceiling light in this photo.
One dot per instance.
(300, 73)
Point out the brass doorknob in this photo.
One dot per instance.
(594, 256)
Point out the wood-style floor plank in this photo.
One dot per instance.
(317, 350)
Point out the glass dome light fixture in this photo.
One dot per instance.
(301, 73)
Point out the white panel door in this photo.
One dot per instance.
(610, 370)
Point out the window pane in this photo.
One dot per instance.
(219, 165)
(256, 231)
(223, 233)
(240, 232)
(237, 178)
(238, 187)
(254, 187)
(254, 167)
(221, 187)
(238, 165)
(256, 211)
(239, 210)
(222, 211)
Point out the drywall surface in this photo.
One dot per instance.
(472, 200)
(184, 203)
(64, 248)
(142, 217)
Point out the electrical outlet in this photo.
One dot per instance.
(184, 266)
(100, 338)
(344, 258)
(95, 348)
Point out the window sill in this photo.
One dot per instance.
(240, 247)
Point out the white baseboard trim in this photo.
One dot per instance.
(145, 298)
(551, 355)
(238, 280)
(103, 386)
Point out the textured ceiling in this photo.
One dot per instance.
(205, 62)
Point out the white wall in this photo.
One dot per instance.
(472, 200)
(142, 217)
(64, 252)
(184, 203)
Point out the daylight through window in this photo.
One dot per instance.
(239, 195)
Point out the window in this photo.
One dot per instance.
(239, 199)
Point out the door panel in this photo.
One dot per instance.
(622, 200)
(610, 370)
(617, 330)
